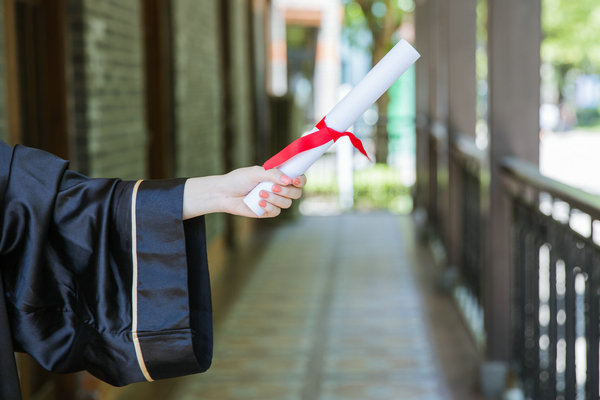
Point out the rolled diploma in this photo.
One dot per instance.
(346, 112)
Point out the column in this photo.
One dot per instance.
(461, 105)
(438, 115)
(327, 59)
(277, 50)
(514, 80)
(422, 109)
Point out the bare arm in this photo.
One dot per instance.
(225, 193)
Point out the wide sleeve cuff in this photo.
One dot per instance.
(171, 303)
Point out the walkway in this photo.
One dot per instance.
(333, 310)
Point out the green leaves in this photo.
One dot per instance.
(380, 17)
(571, 34)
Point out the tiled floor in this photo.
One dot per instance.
(333, 310)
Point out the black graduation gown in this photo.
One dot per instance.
(98, 274)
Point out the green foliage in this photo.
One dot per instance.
(376, 187)
(481, 52)
(481, 59)
(380, 17)
(355, 26)
(380, 187)
(354, 17)
(321, 184)
(588, 117)
(571, 34)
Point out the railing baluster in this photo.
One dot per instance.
(520, 290)
(553, 326)
(538, 241)
(531, 311)
(592, 261)
(545, 353)
(471, 243)
(570, 336)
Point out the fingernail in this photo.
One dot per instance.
(262, 203)
(286, 180)
(296, 181)
(264, 194)
(276, 188)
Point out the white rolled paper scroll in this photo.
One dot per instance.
(346, 112)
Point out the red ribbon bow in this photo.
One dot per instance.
(323, 135)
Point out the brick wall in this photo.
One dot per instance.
(198, 91)
(3, 122)
(198, 100)
(240, 35)
(108, 120)
(109, 137)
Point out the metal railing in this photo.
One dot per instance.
(437, 145)
(471, 162)
(472, 166)
(556, 284)
(553, 255)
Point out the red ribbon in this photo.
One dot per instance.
(323, 135)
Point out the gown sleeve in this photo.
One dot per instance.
(102, 274)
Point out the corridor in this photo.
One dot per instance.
(336, 308)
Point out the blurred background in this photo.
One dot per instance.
(461, 264)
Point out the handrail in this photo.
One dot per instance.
(466, 149)
(438, 130)
(548, 256)
(529, 173)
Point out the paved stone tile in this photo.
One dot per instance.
(248, 366)
(246, 325)
(374, 390)
(331, 312)
(243, 390)
(366, 362)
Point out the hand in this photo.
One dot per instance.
(225, 193)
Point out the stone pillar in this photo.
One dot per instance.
(440, 128)
(514, 80)
(277, 50)
(438, 89)
(4, 129)
(327, 59)
(461, 67)
(461, 105)
(438, 115)
(422, 33)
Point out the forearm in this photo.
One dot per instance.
(202, 196)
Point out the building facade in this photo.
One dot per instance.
(136, 89)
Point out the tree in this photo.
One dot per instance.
(382, 18)
(572, 34)
(571, 38)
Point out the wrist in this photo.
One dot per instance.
(202, 196)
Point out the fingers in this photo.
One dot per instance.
(275, 199)
(299, 181)
(290, 192)
(276, 176)
(284, 190)
(270, 209)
